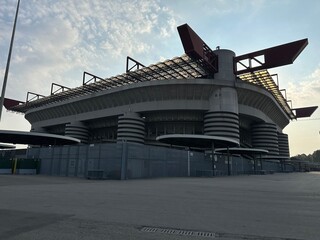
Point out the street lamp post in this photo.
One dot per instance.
(8, 61)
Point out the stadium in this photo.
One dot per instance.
(207, 112)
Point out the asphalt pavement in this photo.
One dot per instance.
(268, 207)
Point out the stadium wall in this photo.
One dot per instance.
(125, 160)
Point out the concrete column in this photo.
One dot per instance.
(265, 136)
(223, 124)
(131, 128)
(77, 130)
(283, 145)
(225, 62)
(224, 99)
(222, 119)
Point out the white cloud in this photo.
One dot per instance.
(13, 121)
(58, 39)
(304, 133)
(216, 8)
(307, 91)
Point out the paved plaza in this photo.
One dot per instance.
(268, 207)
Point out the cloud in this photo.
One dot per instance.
(43, 56)
(216, 8)
(307, 91)
(56, 40)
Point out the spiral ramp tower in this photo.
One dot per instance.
(283, 145)
(265, 136)
(222, 119)
(77, 130)
(223, 124)
(131, 128)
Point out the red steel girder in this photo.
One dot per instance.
(197, 49)
(273, 57)
(9, 103)
(305, 111)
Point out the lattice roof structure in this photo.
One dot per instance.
(198, 62)
(177, 68)
(265, 80)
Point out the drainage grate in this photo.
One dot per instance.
(178, 232)
(216, 235)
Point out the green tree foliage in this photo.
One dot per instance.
(314, 157)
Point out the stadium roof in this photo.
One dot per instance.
(177, 68)
(199, 62)
(265, 80)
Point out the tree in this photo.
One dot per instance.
(314, 157)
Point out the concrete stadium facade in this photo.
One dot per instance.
(139, 112)
(131, 125)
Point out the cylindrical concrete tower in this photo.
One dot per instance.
(223, 124)
(265, 136)
(283, 145)
(222, 119)
(131, 128)
(225, 63)
(77, 130)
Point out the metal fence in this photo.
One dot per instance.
(125, 160)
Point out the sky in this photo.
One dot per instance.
(57, 40)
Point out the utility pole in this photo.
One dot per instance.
(8, 61)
